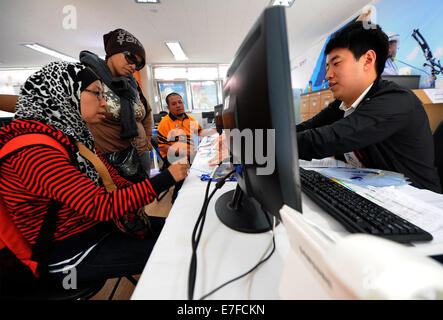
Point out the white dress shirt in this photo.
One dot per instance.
(351, 109)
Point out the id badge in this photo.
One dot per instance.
(352, 159)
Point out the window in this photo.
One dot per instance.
(202, 83)
(12, 79)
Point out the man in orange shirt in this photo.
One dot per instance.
(176, 130)
(176, 133)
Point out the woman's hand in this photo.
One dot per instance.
(179, 169)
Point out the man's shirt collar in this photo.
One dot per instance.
(175, 118)
(351, 109)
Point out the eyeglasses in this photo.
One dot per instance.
(132, 59)
(99, 94)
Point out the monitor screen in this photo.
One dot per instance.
(159, 116)
(208, 115)
(207, 118)
(259, 122)
(406, 81)
(218, 116)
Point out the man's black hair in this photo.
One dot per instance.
(359, 37)
(170, 95)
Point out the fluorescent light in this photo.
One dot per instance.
(147, 1)
(177, 50)
(45, 50)
(286, 3)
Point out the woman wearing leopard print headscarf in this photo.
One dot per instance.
(58, 101)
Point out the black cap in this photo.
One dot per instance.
(120, 40)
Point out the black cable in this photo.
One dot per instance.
(199, 226)
(198, 229)
(247, 272)
(193, 264)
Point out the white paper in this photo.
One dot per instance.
(206, 151)
(435, 95)
(323, 163)
(416, 211)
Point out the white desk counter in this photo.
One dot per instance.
(224, 254)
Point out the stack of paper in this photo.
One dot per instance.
(366, 177)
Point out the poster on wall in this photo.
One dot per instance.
(168, 87)
(204, 95)
(417, 27)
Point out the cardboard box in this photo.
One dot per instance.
(314, 102)
(325, 99)
(434, 110)
(304, 103)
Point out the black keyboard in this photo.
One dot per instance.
(356, 213)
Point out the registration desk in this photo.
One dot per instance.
(224, 254)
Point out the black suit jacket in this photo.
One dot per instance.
(389, 130)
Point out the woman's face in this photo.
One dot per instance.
(92, 103)
(120, 66)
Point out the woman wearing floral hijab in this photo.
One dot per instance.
(58, 101)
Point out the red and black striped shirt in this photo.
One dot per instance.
(35, 175)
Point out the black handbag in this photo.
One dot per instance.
(127, 163)
(134, 223)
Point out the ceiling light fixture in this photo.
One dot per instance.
(147, 1)
(177, 50)
(45, 50)
(285, 3)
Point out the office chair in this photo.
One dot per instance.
(438, 147)
(52, 290)
(48, 290)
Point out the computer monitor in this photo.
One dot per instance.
(159, 116)
(258, 98)
(207, 118)
(218, 116)
(208, 115)
(406, 81)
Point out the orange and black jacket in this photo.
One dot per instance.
(172, 130)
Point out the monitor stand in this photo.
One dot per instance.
(242, 213)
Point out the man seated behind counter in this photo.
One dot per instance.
(372, 123)
(176, 130)
(176, 133)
